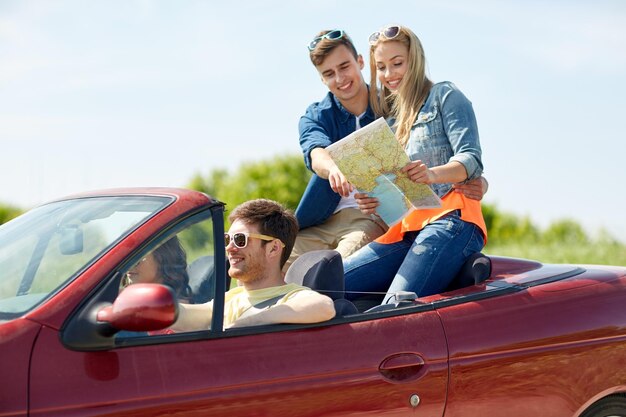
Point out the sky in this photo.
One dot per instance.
(116, 93)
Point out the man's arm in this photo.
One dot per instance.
(474, 189)
(192, 317)
(305, 306)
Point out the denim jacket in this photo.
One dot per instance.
(323, 123)
(446, 130)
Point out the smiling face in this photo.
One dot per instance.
(341, 73)
(391, 63)
(249, 264)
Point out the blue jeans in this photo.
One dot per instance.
(424, 262)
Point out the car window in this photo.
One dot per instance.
(183, 260)
(47, 247)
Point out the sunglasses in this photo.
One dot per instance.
(333, 35)
(240, 239)
(388, 32)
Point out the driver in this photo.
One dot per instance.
(258, 244)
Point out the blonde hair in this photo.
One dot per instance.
(405, 103)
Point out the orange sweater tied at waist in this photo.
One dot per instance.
(418, 219)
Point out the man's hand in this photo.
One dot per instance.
(325, 167)
(367, 204)
(338, 182)
(474, 189)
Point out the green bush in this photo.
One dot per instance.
(284, 178)
(8, 212)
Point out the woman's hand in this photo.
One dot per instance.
(419, 173)
(367, 204)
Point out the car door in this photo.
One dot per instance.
(395, 365)
(387, 363)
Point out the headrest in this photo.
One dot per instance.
(476, 269)
(320, 270)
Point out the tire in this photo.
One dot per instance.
(611, 406)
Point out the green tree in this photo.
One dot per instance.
(8, 212)
(282, 178)
(504, 227)
(565, 231)
(212, 185)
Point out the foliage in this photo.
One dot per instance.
(282, 179)
(565, 231)
(504, 227)
(8, 212)
(597, 252)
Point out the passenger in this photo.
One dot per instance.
(167, 265)
(436, 125)
(328, 214)
(258, 244)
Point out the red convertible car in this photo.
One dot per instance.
(513, 338)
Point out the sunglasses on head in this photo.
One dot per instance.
(240, 239)
(388, 32)
(333, 35)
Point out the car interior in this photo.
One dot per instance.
(322, 271)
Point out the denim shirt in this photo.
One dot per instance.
(446, 130)
(324, 123)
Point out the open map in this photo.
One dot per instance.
(371, 159)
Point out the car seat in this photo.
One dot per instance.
(322, 271)
(202, 279)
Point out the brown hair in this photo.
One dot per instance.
(326, 46)
(272, 219)
(403, 105)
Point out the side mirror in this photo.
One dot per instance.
(141, 307)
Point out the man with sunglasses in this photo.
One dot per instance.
(328, 214)
(258, 244)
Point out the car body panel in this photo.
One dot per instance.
(552, 346)
(16, 340)
(307, 372)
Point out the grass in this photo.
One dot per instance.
(596, 253)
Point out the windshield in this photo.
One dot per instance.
(44, 249)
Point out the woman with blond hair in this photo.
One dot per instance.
(435, 124)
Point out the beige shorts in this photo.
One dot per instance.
(345, 231)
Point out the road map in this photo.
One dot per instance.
(371, 159)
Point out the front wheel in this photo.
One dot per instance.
(611, 406)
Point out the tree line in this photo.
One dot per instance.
(283, 178)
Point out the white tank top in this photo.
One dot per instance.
(350, 201)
